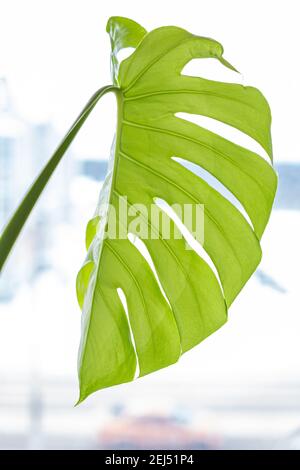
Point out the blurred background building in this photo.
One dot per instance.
(24, 148)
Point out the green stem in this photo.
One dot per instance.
(17, 221)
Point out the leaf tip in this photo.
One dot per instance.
(228, 65)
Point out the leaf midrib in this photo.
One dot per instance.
(119, 96)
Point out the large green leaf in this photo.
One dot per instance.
(169, 317)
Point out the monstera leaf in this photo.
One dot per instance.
(144, 306)
(166, 318)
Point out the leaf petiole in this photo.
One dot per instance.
(18, 219)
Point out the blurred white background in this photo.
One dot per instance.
(238, 389)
